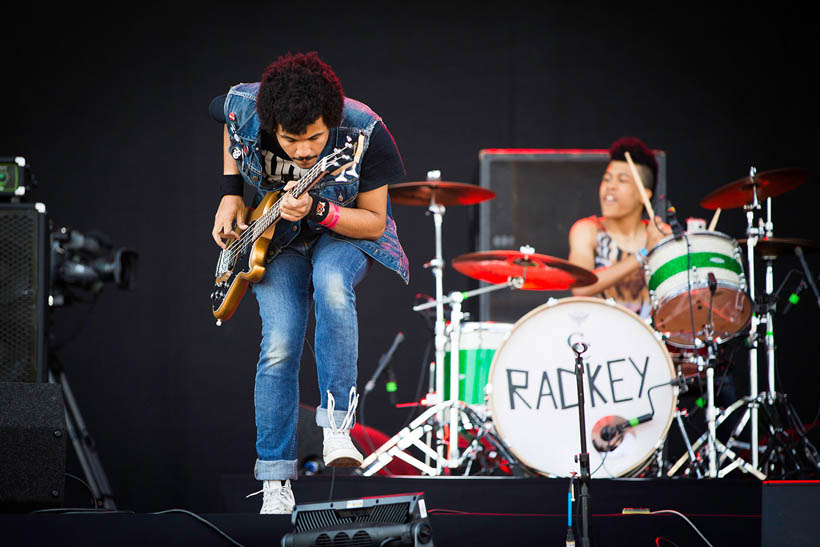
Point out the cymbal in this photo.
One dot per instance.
(780, 246)
(767, 183)
(444, 192)
(543, 272)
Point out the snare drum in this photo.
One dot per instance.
(533, 396)
(673, 275)
(478, 342)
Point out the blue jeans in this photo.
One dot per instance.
(331, 269)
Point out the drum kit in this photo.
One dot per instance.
(503, 396)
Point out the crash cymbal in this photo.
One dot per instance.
(543, 272)
(767, 184)
(780, 246)
(444, 192)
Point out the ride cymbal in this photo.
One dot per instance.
(780, 246)
(442, 192)
(540, 272)
(766, 184)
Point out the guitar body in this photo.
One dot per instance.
(248, 266)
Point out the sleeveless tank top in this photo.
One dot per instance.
(630, 292)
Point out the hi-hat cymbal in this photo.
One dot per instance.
(540, 272)
(443, 192)
(766, 184)
(780, 246)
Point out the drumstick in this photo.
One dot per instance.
(637, 178)
(714, 220)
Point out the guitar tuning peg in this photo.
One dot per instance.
(351, 172)
(341, 178)
(349, 138)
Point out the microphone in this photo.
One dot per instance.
(809, 277)
(794, 297)
(674, 223)
(609, 432)
(383, 360)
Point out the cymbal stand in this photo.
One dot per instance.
(454, 300)
(437, 265)
(752, 234)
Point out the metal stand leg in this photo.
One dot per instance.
(692, 459)
(84, 445)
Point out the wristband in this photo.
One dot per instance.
(332, 216)
(319, 211)
(231, 185)
(641, 255)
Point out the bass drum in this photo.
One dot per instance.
(533, 396)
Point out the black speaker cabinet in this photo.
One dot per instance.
(24, 274)
(539, 195)
(32, 446)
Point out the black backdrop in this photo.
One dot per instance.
(111, 112)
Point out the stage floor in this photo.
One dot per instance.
(474, 511)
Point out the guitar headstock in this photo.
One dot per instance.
(344, 158)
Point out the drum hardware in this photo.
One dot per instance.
(693, 461)
(454, 300)
(579, 348)
(411, 436)
(435, 194)
(749, 193)
(727, 452)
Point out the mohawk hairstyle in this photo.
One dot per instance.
(641, 155)
(295, 90)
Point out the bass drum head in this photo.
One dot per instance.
(533, 395)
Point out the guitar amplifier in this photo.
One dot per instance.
(24, 274)
(540, 193)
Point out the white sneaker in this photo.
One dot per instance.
(277, 498)
(338, 449)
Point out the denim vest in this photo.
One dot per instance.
(245, 134)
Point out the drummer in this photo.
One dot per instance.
(615, 244)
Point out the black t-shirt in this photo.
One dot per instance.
(381, 163)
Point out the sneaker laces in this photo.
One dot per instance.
(269, 488)
(274, 496)
(353, 400)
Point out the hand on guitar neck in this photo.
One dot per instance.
(295, 209)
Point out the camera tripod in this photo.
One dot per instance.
(84, 446)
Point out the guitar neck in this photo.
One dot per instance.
(304, 184)
(273, 214)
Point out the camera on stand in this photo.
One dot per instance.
(87, 261)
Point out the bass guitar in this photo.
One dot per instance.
(243, 260)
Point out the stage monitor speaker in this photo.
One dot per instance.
(32, 446)
(399, 519)
(24, 274)
(539, 195)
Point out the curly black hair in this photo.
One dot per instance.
(641, 155)
(296, 90)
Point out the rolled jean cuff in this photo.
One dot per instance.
(278, 470)
(338, 415)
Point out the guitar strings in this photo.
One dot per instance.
(247, 238)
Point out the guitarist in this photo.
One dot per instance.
(322, 247)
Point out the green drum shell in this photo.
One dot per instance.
(478, 342)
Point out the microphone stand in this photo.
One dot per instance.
(580, 348)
